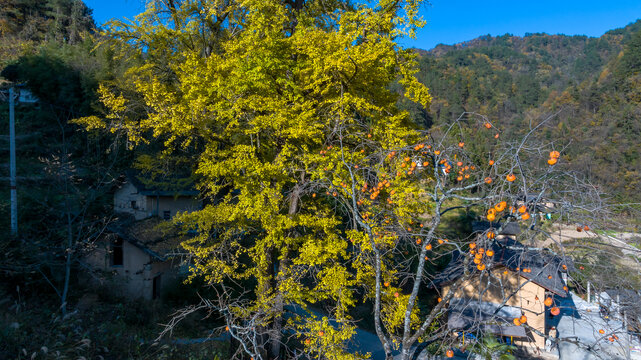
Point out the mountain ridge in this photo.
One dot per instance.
(478, 41)
(592, 84)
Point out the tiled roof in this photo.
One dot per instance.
(156, 237)
(508, 229)
(540, 266)
(165, 187)
(469, 313)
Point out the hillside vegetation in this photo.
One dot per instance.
(294, 222)
(590, 85)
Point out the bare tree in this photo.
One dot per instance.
(73, 203)
(507, 183)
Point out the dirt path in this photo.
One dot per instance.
(619, 241)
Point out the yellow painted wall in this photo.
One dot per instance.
(502, 285)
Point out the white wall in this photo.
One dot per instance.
(134, 278)
(123, 198)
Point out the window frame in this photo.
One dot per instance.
(117, 252)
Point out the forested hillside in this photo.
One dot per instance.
(324, 210)
(590, 85)
(49, 50)
(64, 175)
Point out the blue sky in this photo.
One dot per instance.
(453, 21)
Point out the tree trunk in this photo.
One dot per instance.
(278, 308)
(279, 305)
(68, 258)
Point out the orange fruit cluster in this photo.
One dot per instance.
(523, 211)
(478, 256)
(464, 172)
(491, 214)
(449, 353)
(554, 157)
(520, 320)
(376, 190)
(493, 211)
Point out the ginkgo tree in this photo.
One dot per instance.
(320, 194)
(263, 92)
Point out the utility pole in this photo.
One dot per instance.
(627, 336)
(588, 292)
(12, 165)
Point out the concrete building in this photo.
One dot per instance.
(606, 337)
(162, 200)
(142, 259)
(140, 248)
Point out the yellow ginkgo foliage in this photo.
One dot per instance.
(287, 110)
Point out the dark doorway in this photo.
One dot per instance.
(117, 252)
(156, 288)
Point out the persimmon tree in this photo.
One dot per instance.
(320, 194)
(398, 199)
